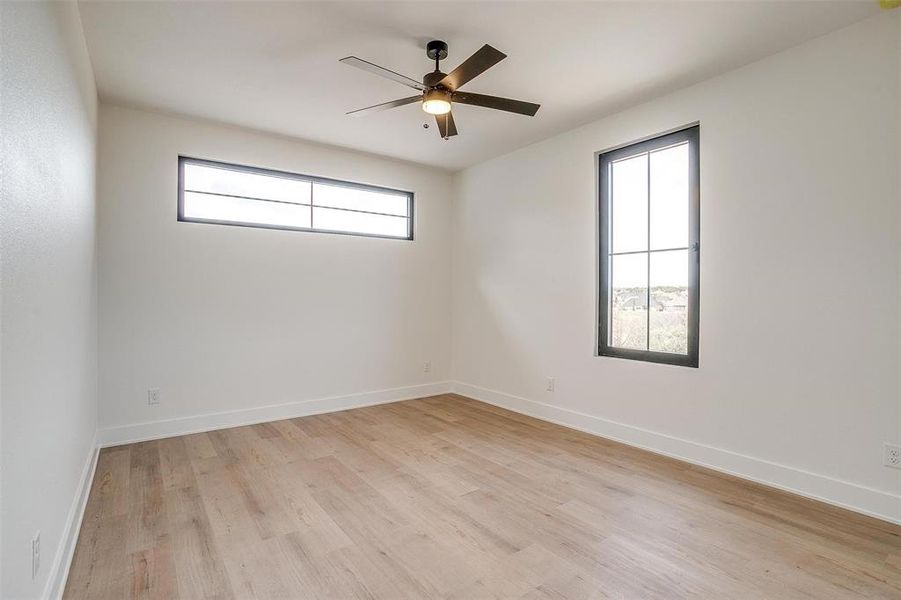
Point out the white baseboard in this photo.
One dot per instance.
(139, 432)
(872, 502)
(59, 572)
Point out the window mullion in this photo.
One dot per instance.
(649, 251)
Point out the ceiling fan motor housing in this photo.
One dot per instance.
(432, 79)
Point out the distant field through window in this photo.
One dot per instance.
(226, 194)
(649, 250)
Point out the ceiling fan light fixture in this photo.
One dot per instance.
(436, 102)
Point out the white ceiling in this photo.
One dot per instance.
(274, 66)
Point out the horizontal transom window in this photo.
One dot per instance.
(227, 194)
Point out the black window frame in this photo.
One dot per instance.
(691, 135)
(313, 179)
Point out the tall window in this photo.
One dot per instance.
(214, 192)
(649, 250)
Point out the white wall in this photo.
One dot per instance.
(799, 347)
(226, 318)
(48, 376)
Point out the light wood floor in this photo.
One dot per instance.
(448, 497)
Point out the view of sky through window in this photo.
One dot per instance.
(648, 261)
(230, 194)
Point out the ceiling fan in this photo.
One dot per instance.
(440, 90)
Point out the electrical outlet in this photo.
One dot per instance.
(35, 554)
(551, 384)
(153, 396)
(891, 455)
(427, 366)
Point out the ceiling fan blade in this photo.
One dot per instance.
(446, 125)
(483, 59)
(497, 103)
(359, 63)
(384, 106)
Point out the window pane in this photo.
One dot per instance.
(356, 222)
(669, 197)
(241, 210)
(629, 301)
(630, 204)
(669, 302)
(338, 196)
(202, 178)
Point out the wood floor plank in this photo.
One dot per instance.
(154, 572)
(199, 569)
(446, 497)
(147, 519)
